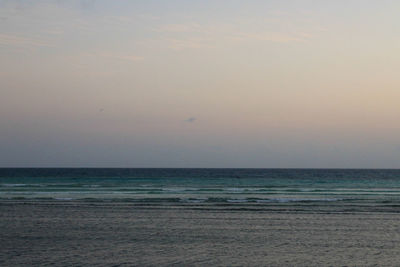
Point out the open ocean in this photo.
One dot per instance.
(257, 186)
(199, 217)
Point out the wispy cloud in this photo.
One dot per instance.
(183, 43)
(126, 57)
(86, 59)
(185, 28)
(272, 37)
(53, 32)
(149, 17)
(196, 35)
(129, 57)
(19, 41)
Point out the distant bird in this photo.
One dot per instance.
(191, 119)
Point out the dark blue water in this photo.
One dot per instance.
(202, 185)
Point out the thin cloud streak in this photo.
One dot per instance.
(18, 41)
(195, 35)
(126, 57)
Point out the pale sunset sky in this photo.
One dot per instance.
(269, 84)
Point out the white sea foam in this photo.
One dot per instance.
(14, 185)
(178, 189)
(194, 200)
(238, 200)
(287, 200)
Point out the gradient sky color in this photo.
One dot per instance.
(200, 84)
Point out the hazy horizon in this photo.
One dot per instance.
(200, 84)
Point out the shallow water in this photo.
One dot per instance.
(80, 233)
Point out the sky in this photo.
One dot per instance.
(211, 83)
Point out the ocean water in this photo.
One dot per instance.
(233, 186)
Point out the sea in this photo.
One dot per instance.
(202, 186)
(199, 217)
